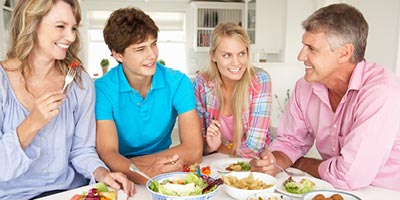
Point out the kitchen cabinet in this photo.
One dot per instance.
(208, 14)
(251, 20)
(264, 21)
(6, 11)
(270, 24)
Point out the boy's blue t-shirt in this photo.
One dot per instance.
(144, 125)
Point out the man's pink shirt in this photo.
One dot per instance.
(360, 141)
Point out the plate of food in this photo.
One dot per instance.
(269, 196)
(100, 192)
(231, 165)
(297, 186)
(203, 169)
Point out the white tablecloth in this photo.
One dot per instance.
(368, 193)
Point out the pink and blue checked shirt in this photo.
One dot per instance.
(256, 119)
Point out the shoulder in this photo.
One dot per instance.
(372, 78)
(170, 73)
(261, 75)
(172, 76)
(85, 87)
(109, 80)
(86, 79)
(4, 84)
(200, 79)
(372, 73)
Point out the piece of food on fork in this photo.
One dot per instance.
(70, 74)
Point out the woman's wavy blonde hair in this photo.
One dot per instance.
(25, 19)
(240, 97)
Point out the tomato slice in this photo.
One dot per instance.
(206, 170)
(77, 197)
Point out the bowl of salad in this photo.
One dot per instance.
(183, 185)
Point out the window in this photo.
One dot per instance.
(171, 40)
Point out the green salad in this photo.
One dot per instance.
(187, 185)
(302, 187)
(239, 166)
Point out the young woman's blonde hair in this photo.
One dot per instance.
(25, 19)
(240, 99)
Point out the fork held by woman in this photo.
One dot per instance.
(70, 75)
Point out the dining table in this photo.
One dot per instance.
(366, 193)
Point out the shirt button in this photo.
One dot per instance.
(45, 171)
(334, 126)
(333, 149)
(139, 104)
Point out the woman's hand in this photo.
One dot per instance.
(115, 180)
(46, 107)
(213, 136)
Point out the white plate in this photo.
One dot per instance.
(319, 185)
(221, 165)
(266, 195)
(121, 195)
(329, 193)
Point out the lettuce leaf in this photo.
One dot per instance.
(298, 188)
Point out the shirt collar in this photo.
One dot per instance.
(158, 80)
(357, 76)
(355, 81)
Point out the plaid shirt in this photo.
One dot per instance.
(256, 119)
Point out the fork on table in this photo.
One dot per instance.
(69, 77)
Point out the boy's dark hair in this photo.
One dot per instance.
(127, 26)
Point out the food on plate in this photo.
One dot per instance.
(188, 185)
(206, 170)
(333, 197)
(99, 192)
(304, 186)
(196, 167)
(268, 198)
(247, 183)
(239, 166)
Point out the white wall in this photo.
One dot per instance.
(297, 11)
(383, 41)
(283, 77)
(383, 38)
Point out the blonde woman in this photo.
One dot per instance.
(47, 135)
(233, 98)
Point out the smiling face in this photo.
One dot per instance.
(321, 63)
(56, 32)
(140, 59)
(231, 57)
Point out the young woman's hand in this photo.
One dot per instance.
(213, 136)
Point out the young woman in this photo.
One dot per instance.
(233, 97)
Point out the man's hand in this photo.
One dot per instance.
(264, 164)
